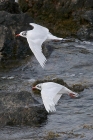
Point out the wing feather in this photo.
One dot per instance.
(35, 38)
(57, 97)
(39, 27)
(49, 92)
(38, 34)
(37, 50)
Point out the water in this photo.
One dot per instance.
(73, 120)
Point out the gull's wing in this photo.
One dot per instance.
(38, 34)
(35, 38)
(50, 95)
(37, 50)
(39, 27)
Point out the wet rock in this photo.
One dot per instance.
(85, 33)
(84, 51)
(77, 87)
(56, 80)
(52, 136)
(47, 49)
(10, 6)
(20, 109)
(88, 16)
(12, 49)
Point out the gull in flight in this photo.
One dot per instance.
(51, 93)
(35, 38)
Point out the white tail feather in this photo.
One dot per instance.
(50, 36)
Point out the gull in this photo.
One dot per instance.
(35, 39)
(51, 93)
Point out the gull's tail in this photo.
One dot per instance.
(50, 36)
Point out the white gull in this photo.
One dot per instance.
(35, 38)
(51, 93)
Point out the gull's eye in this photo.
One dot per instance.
(24, 33)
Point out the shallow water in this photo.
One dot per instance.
(73, 62)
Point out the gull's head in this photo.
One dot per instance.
(73, 94)
(23, 34)
(39, 86)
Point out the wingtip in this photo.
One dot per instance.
(47, 110)
(50, 108)
(43, 65)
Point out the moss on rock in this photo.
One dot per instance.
(23, 5)
(63, 18)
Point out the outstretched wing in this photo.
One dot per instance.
(37, 50)
(50, 95)
(39, 27)
(38, 34)
(35, 38)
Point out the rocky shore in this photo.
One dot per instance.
(20, 109)
(69, 63)
(13, 49)
(63, 18)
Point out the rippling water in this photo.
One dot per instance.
(73, 119)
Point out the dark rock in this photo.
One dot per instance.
(13, 48)
(20, 109)
(77, 87)
(47, 49)
(88, 15)
(63, 18)
(10, 6)
(2, 1)
(24, 6)
(88, 4)
(85, 33)
(84, 51)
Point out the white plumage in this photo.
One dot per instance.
(51, 93)
(35, 38)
